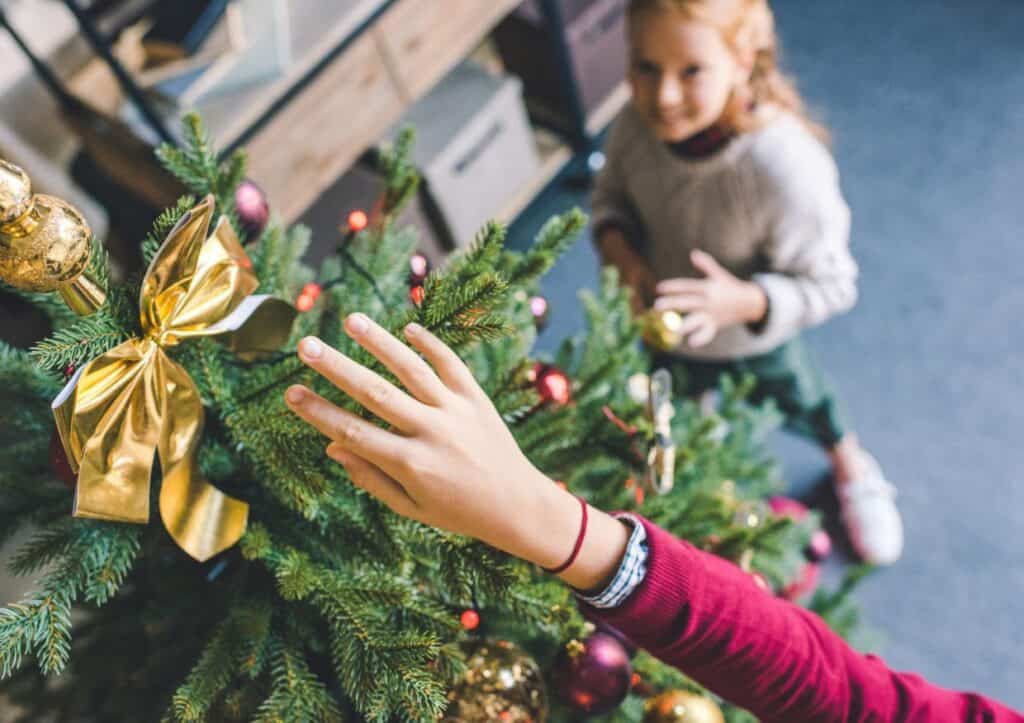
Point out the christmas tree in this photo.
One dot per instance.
(330, 607)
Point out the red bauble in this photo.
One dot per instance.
(805, 583)
(312, 290)
(252, 209)
(59, 462)
(470, 619)
(540, 309)
(788, 507)
(819, 547)
(419, 267)
(305, 302)
(357, 221)
(596, 679)
(69, 371)
(552, 384)
(416, 295)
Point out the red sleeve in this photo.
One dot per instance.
(705, 616)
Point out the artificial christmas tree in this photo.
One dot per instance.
(330, 607)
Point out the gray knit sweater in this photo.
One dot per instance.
(767, 206)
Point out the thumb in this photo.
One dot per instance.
(705, 263)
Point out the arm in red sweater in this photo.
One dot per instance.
(706, 617)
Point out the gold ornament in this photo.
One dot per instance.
(501, 683)
(662, 330)
(134, 400)
(661, 457)
(680, 706)
(45, 244)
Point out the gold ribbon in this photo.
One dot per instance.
(134, 400)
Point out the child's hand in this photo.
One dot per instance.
(448, 459)
(633, 269)
(718, 301)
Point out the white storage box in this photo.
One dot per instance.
(474, 147)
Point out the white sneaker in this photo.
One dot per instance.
(868, 510)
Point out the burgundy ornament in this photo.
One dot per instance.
(593, 677)
(252, 209)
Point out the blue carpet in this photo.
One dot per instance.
(926, 103)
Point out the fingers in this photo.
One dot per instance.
(369, 477)
(376, 394)
(698, 329)
(705, 263)
(403, 362)
(681, 302)
(452, 370)
(674, 287)
(382, 448)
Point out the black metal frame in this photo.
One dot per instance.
(582, 141)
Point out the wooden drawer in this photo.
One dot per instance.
(324, 129)
(424, 39)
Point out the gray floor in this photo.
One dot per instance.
(926, 102)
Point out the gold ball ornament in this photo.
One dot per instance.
(662, 330)
(501, 683)
(681, 706)
(44, 243)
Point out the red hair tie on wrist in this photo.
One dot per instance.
(577, 547)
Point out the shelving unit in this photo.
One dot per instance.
(357, 66)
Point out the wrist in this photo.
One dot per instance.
(755, 304)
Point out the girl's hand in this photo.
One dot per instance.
(633, 269)
(448, 460)
(718, 301)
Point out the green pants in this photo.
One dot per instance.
(786, 375)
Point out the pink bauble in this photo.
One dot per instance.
(252, 209)
(788, 507)
(819, 547)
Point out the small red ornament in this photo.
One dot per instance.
(305, 302)
(59, 462)
(312, 290)
(416, 295)
(252, 209)
(470, 619)
(357, 221)
(69, 371)
(805, 583)
(552, 384)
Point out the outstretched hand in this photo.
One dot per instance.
(447, 460)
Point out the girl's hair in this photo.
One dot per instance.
(748, 27)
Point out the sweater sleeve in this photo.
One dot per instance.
(810, 273)
(703, 615)
(610, 204)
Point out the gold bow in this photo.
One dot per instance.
(134, 400)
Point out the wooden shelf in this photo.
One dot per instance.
(318, 28)
(554, 155)
(604, 114)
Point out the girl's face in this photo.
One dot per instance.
(682, 73)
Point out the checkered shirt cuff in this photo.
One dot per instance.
(631, 571)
